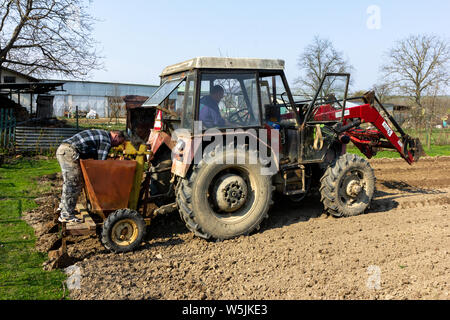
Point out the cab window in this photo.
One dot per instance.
(228, 100)
(275, 103)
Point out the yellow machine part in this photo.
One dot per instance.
(139, 155)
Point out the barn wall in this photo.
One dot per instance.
(94, 96)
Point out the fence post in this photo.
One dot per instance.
(7, 128)
(1, 127)
(76, 115)
(14, 132)
(10, 126)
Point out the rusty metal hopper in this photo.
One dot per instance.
(108, 183)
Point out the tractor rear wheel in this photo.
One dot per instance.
(348, 186)
(222, 201)
(123, 231)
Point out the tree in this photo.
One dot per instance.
(417, 66)
(47, 37)
(116, 108)
(383, 91)
(357, 93)
(317, 59)
(430, 114)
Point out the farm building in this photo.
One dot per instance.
(97, 96)
(11, 76)
(24, 94)
(9, 79)
(61, 97)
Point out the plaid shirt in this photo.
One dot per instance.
(91, 142)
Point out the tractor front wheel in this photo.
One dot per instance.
(123, 231)
(348, 186)
(222, 201)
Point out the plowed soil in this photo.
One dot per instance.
(399, 249)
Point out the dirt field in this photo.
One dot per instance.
(398, 250)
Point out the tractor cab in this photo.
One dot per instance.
(222, 93)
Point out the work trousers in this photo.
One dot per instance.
(68, 159)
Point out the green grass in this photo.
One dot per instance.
(21, 273)
(438, 136)
(440, 144)
(432, 152)
(104, 124)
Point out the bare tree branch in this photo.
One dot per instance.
(48, 37)
(5, 14)
(318, 58)
(418, 64)
(383, 91)
(418, 67)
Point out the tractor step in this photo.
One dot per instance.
(87, 227)
(293, 177)
(168, 208)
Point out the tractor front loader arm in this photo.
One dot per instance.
(368, 141)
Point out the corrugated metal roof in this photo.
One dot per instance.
(102, 89)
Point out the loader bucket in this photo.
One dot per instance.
(108, 183)
(414, 146)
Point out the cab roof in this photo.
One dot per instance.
(224, 63)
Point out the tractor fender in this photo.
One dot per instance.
(157, 139)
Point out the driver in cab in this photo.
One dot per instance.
(209, 112)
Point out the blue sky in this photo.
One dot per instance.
(139, 38)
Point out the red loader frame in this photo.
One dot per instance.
(369, 141)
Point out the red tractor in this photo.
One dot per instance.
(221, 163)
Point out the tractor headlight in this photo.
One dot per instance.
(179, 147)
(177, 151)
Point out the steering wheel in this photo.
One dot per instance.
(241, 117)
